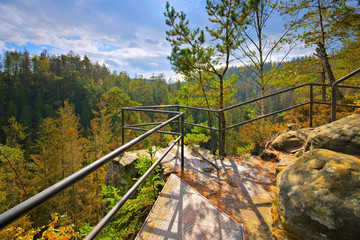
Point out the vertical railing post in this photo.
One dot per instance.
(178, 110)
(333, 102)
(122, 127)
(311, 105)
(220, 134)
(182, 143)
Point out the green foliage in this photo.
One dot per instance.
(330, 20)
(115, 99)
(131, 216)
(15, 133)
(254, 136)
(198, 135)
(194, 56)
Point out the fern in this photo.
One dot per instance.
(130, 217)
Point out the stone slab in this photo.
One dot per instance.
(180, 212)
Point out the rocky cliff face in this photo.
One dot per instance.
(318, 195)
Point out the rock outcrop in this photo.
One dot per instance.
(117, 167)
(319, 196)
(292, 140)
(340, 136)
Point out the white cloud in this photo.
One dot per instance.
(104, 33)
(2, 45)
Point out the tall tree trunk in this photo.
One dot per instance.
(321, 53)
(209, 113)
(222, 117)
(323, 80)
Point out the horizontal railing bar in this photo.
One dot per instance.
(158, 106)
(338, 104)
(330, 85)
(324, 103)
(346, 105)
(333, 94)
(24, 207)
(198, 108)
(266, 115)
(260, 98)
(197, 125)
(149, 110)
(321, 84)
(127, 195)
(179, 106)
(143, 124)
(145, 130)
(346, 77)
(347, 86)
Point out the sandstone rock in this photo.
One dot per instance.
(125, 163)
(319, 196)
(292, 140)
(293, 126)
(269, 155)
(340, 136)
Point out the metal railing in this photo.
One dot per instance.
(21, 209)
(220, 129)
(333, 92)
(28, 205)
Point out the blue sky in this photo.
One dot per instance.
(126, 35)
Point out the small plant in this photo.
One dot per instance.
(127, 222)
(152, 151)
(254, 136)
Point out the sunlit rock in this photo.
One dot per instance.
(340, 136)
(319, 196)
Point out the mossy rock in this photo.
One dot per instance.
(319, 196)
(292, 140)
(340, 136)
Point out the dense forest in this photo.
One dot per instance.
(58, 113)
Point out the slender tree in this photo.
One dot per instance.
(258, 48)
(321, 24)
(192, 54)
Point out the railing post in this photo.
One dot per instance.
(182, 143)
(311, 106)
(220, 134)
(333, 92)
(178, 109)
(122, 127)
(333, 102)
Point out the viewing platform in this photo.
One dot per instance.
(215, 198)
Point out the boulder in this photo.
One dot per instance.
(292, 140)
(117, 167)
(319, 196)
(340, 136)
(269, 155)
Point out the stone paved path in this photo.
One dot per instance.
(182, 213)
(241, 187)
